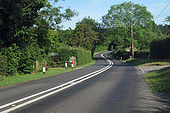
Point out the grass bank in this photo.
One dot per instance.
(6, 81)
(148, 62)
(159, 80)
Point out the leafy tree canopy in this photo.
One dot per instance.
(126, 13)
(83, 36)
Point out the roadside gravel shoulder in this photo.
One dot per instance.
(147, 69)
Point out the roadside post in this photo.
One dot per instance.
(66, 65)
(44, 69)
(72, 64)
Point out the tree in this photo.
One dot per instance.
(54, 16)
(127, 15)
(25, 27)
(16, 16)
(168, 19)
(83, 36)
(95, 26)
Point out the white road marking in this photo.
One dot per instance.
(54, 89)
(141, 70)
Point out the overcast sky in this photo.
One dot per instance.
(97, 8)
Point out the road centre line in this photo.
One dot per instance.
(56, 89)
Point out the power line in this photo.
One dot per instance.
(162, 10)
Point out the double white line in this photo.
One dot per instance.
(43, 94)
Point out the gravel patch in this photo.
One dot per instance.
(147, 69)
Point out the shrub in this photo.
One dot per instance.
(3, 65)
(120, 52)
(101, 48)
(12, 54)
(160, 48)
(29, 56)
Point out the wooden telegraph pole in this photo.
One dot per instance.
(132, 49)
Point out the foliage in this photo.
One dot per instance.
(101, 48)
(63, 54)
(29, 55)
(164, 29)
(26, 33)
(120, 53)
(95, 26)
(3, 65)
(148, 62)
(126, 13)
(13, 55)
(118, 22)
(54, 15)
(160, 48)
(15, 16)
(168, 19)
(83, 36)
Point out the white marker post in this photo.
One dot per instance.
(66, 65)
(72, 64)
(43, 69)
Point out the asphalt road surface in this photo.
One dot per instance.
(111, 87)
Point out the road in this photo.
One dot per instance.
(116, 87)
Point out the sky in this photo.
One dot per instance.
(95, 9)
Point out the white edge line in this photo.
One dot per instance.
(141, 70)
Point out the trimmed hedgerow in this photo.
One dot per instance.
(160, 48)
(63, 54)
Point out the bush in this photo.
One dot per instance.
(120, 53)
(160, 48)
(142, 54)
(3, 65)
(16, 60)
(101, 48)
(29, 56)
(12, 55)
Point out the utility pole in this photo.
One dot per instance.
(132, 49)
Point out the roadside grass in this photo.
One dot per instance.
(6, 81)
(159, 80)
(148, 62)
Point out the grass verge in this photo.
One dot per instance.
(159, 80)
(6, 81)
(148, 62)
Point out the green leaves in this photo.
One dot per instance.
(126, 13)
(84, 36)
(118, 20)
(168, 19)
(55, 15)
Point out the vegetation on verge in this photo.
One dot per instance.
(148, 62)
(6, 81)
(159, 80)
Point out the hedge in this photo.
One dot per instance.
(63, 54)
(3, 63)
(160, 48)
(15, 60)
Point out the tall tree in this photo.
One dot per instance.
(83, 36)
(14, 16)
(127, 15)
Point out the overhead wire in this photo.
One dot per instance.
(163, 10)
